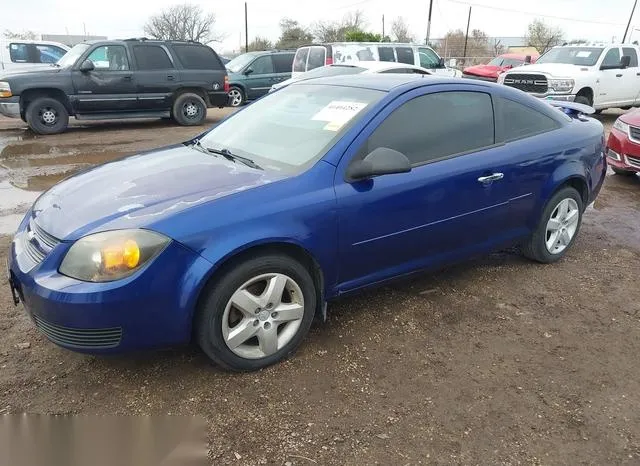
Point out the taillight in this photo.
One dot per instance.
(328, 61)
(226, 84)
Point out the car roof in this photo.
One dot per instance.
(379, 82)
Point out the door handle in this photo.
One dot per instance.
(491, 178)
(126, 78)
(618, 75)
(170, 78)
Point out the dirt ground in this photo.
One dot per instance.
(495, 361)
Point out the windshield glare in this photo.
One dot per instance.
(72, 56)
(582, 56)
(239, 62)
(293, 128)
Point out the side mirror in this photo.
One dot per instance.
(625, 61)
(527, 60)
(248, 71)
(382, 161)
(441, 63)
(87, 66)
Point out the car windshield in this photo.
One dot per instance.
(69, 58)
(240, 62)
(332, 70)
(291, 129)
(582, 56)
(496, 61)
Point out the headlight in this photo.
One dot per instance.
(561, 85)
(111, 255)
(5, 89)
(621, 126)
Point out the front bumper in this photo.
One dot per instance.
(622, 152)
(559, 97)
(152, 308)
(10, 107)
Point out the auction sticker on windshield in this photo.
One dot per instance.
(337, 113)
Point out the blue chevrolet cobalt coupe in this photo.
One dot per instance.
(238, 238)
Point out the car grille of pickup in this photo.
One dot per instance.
(36, 245)
(534, 83)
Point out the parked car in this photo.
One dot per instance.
(599, 75)
(623, 146)
(252, 74)
(364, 67)
(16, 54)
(323, 188)
(498, 65)
(310, 57)
(134, 78)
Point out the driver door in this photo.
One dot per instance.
(261, 76)
(110, 87)
(611, 91)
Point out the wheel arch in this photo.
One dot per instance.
(576, 180)
(29, 95)
(587, 92)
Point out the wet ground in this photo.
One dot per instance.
(495, 361)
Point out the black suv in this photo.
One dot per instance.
(133, 78)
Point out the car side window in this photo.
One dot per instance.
(316, 57)
(436, 126)
(50, 53)
(300, 60)
(386, 54)
(612, 58)
(19, 53)
(151, 57)
(631, 52)
(428, 58)
(282, 62)
(262, 65)
(517, 121)
(405, 55)
(395, 71)
(109, 58)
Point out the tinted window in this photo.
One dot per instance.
(612, 58)
(396, 71)
(49, 53)
(197, 57)
(519, 121)
(262, 65)
(405, 55)
(631, 52)
(449, 123)
(316, 58)
(386, 54)
(282, 62)
(151, 57)
(428, 58)
(19, 53)
(109, 58)
(300, 60)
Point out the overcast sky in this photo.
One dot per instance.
(600, 20)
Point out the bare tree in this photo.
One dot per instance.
(293, 34)
(183, 22)
(24, 35)
(336, 31)
(498, 48)
(542, 37)
(354, 20)
(400, 31)
(259, 44)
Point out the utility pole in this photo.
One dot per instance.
(383, 27)
(466, 36)
(429, 22)
(629, 23)
(246, 29)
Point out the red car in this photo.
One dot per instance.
(498, 65)
(623, 146)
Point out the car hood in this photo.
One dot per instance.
(557, 70)
(29, 71)
(489, 71)
(137, 191)
(632, 118)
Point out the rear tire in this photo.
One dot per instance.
(46, 115)
(622, 171)
(236, 97)
(239, 316)
(189, 109)
(558, 228)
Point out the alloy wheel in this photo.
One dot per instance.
(562, 226)
(236, 97)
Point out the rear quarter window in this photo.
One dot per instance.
(282, 62)
(197, 57)
(517, 121)
(300, 60)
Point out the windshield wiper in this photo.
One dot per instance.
(227, 154)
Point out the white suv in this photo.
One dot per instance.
(599, 75)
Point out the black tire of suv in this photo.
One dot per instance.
(47, 115)
(185, 105)
(535, 248)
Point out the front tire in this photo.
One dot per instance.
(622, 171)
(46, 115)
(558, 227)
(189, 110)
(236, 97)
(257, 313)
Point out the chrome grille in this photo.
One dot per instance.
(634, 133)
(633, 161)
(80, 338)
(534, 83)
(33, 245)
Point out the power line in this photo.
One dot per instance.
(480, 5)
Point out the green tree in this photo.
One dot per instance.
(358, 35)
(293, 35)
(259, 44)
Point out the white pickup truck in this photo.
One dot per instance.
(599, 75)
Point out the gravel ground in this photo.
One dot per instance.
(495, 361)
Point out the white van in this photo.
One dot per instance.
(314, 56)
(18, 53)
